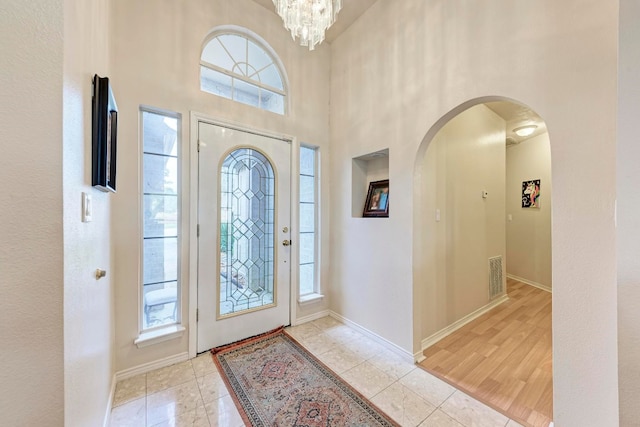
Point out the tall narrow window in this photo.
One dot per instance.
(161, 214)
(308, 221)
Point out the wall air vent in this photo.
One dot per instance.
(496, 281)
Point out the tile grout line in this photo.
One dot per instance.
(146, 394)
(204, 405)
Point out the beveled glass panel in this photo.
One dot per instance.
(246, 232)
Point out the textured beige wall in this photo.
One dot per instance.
(466, 157)
(156, 46)
(88, 303)
(628, 213)
(529, 230)
(405, 65)
(31, 257)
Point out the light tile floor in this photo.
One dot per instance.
(192, 393)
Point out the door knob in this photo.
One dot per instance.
(286, 242)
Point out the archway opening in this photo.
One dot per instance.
(482, 286)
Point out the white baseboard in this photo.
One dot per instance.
(529, 282)
(431, 340)
(112, 393)
(375, 337)
(310, 318)
(419, 356)
(147, 367)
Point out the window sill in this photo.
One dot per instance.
(159, 335)
(310, 298)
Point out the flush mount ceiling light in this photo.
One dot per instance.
(308, 19)
(525, 130)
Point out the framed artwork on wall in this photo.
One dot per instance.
(104, 138)
(531, 193)
(377, 203)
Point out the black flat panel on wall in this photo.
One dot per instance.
(104, 114)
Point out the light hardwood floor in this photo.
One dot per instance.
(504, 357)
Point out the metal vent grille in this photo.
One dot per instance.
(496, 283)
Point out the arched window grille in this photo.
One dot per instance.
(237, 67)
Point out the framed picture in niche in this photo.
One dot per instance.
(377, 203)
(104, 135)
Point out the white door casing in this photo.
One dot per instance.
(243, 284)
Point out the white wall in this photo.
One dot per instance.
(31, 258)
(156, 55)
(404, 65)
(466, 157)
(529, 230)
(628, 232)
(88, 303)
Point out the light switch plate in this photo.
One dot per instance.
(86, 207)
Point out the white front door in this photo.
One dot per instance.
(243, 245)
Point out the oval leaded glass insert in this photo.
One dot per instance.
(247, 257)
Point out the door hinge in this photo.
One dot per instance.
(198, 230)
(197, 314)
(198, 146)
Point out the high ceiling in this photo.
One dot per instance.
(515, 115)
(351, 10)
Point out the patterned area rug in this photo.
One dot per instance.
(276, 382)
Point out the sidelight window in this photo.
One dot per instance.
(160, 219)
(308, 209)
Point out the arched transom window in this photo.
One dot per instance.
(236, 67)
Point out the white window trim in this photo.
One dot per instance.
(241, 77)
(310, 298)
(158, 335)
(151, 336)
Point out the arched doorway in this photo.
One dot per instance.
(483, 237)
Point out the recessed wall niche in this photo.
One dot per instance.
(365, 169)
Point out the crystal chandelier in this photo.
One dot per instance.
(308, 19)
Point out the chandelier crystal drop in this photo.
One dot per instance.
(308, 19)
